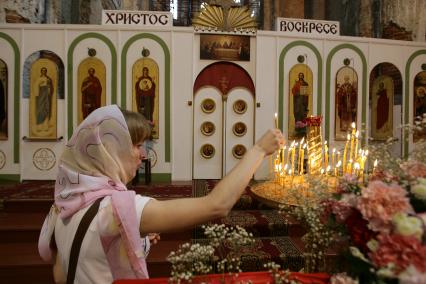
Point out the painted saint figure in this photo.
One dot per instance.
(346, 104)
(145, 95)
(300, 98)
(91, 90)
(2, 105)
(44, 95)
(382, 106)
(420, 101)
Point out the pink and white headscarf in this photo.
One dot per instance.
(98, 161)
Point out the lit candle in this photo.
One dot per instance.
(351, 152)
(336, 169)
(375, 166)
(283, 155)
(327, 170)
(325, 155)
(356, 144)
(276, 120)
(356, 168)
(293, 156)
(302, 159)
(349, 167)
(289, 152)
(332, 158)
(299, 155)
(345, 152)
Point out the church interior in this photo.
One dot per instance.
(341, 80)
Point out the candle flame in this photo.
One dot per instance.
(375, 163)
(353, 124)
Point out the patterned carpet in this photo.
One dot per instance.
(281, 250)
(270, 229)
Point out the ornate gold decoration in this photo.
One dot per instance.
(207, 151)
(238, 151)
(239, 129)
(208, 128)
(225, 16)
(208, 105)
(240, 106)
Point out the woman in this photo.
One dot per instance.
(98, 161)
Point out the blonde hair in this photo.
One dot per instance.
(138, 125)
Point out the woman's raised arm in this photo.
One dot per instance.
(169, 215)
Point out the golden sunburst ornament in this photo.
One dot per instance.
(225, 16)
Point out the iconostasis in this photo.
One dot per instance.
(209, 96)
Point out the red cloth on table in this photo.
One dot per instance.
(260, 277)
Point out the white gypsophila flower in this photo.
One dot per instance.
(419, 190)
(407, 225)
(357, 253)
(342, 278)
(373, 245)
(411, 276)
(421, 181)
(386, 272)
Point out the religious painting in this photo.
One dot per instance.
(91, 86)
(145, 84)
(382, 108)
(207, 128)
(346, 98)
(60, 91)
(43, 96)
(300, 99)
(225, 47)
(419, 102)
(3, 100)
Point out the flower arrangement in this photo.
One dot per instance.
(378, 224)
(384, 220)
(199, 259)
(300, 128)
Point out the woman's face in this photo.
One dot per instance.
(139, 154)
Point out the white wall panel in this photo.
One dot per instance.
(208, 168)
